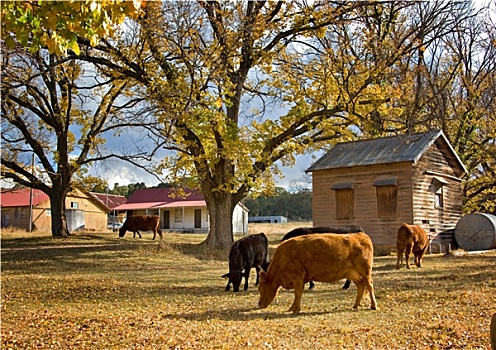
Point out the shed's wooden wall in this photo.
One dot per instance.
(382, 231)
(42, 219)
(19, 217)
(94, 218)
(435, 163)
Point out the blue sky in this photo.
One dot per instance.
(123, 173)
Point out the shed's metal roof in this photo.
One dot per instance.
(384, 150)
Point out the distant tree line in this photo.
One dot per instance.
(295, 206)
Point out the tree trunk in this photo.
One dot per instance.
(220, 208)
(59, 221)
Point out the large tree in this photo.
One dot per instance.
(450, 84)
(243, 85)
(59, 112)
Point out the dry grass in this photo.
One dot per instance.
(96, 291)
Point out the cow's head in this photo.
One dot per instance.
(267, 290)
(235, 278)
(122, 231)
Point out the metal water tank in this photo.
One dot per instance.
(476, 231)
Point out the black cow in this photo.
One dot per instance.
(246, 253)
(301, 231)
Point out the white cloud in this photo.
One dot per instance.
(122, 173)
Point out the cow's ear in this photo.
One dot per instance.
(262, 275)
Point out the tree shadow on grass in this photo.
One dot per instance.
(200, 251)
(244, 314)
(70, 255)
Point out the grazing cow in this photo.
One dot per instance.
(322, 258)
(322, 229)
(246, 253)
(411, 238)
(135, 223)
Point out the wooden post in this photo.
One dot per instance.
(493, 332)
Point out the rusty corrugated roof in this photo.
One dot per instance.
(384, 150)
(110, 200)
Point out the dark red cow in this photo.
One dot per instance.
(136, 223)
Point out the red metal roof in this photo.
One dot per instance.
(110, 200)
(163, 195)
(155, 198)
(157, 205)
(20, 197)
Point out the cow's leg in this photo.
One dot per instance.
(298, 292)
(311, 285)
(416, 258)
(408, 251)
(421, 256)
(370, 288)
(159, 231)
(228, 287)
(399, 259)
(247, 276)
(139, 234)
(346, 284)
(257, 268)
(360, 289)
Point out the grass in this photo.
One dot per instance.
(96, 291)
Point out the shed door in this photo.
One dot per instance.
(166, 218)
(197, 218)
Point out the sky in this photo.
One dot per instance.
(125, 173)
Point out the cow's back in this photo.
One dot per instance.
(412, 234)
(301, 231)
(142, 222)
(253, 249)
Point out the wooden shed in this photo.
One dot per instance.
(381, 183)
(83, 211)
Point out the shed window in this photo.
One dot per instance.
(344, 195)
(387, 198)
(74, 205)
(345, 204)
(437, 187)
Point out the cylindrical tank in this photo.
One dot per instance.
(476, 231)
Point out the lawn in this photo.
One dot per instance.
(97, 291)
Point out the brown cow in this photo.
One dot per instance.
(411, 238)
(323, 258)
(135, 223)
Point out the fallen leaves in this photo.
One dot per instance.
(136, 298)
